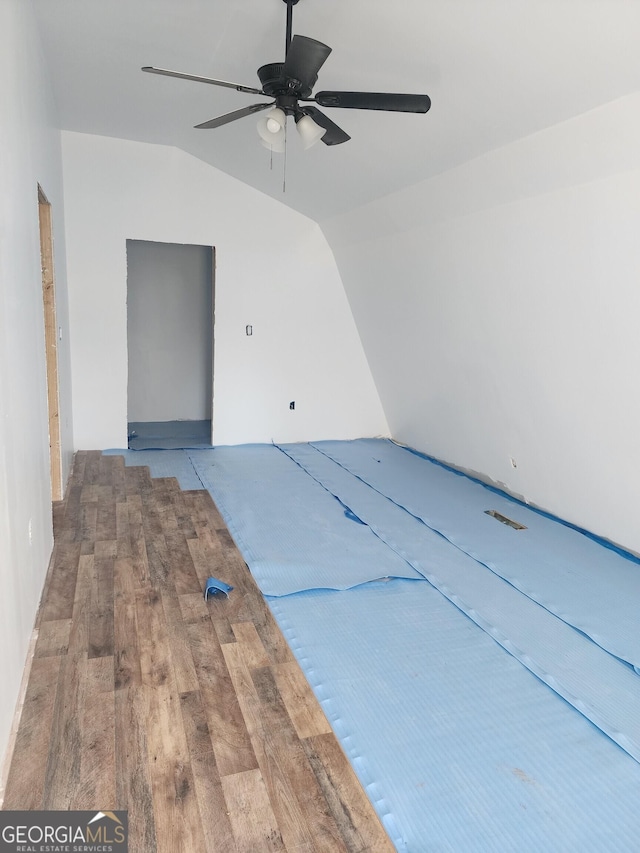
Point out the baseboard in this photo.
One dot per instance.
(8, 756)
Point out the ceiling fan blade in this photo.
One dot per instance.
(305, 58)
(236, 114)
(334, 135)
(198, 79)
(374, 101)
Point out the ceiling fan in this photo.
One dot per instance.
(290, 84)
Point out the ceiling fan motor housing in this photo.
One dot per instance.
(274, 82)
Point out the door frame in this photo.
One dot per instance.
(50, 342)
(213, 336)
(212, 284)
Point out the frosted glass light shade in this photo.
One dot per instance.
(271, 129)
(309, 131)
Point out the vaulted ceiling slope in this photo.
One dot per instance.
(496, 71)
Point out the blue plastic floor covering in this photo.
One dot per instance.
(459, 747)
(591, 587)
(162, 463)
(597, 684)
(168, 435)
(292, 533)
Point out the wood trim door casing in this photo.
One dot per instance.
(213, 337)
(51, 342)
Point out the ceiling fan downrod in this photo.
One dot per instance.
(290, 5)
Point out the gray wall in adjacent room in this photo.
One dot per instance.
(169, 331)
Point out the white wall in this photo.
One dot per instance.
(169, 331)
(275, 271)
(498, 305)
(29, 154)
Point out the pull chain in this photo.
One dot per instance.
(284, 167)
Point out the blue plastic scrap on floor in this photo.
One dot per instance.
(479, 678)
(213, 586)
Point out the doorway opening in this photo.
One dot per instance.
(170, 328)
(50, 342)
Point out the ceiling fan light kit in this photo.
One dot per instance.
(290, 84)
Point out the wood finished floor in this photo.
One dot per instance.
(192, 715)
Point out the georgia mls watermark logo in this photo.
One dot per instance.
(63, 832)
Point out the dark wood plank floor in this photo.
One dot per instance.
(192, 715)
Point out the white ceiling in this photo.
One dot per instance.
(496, 70)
